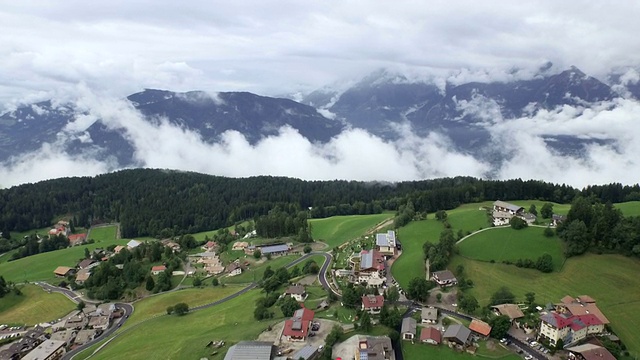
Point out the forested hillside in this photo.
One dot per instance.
(147, 202)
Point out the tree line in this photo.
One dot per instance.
(148, 202)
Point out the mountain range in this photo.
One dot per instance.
(381, 103)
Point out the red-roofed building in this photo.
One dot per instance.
(569, 328)
(158, 269)
(297, 328)
(370, 269)
(431, 335)
(209, 246)
(480, 327)
(77, 239)
(372, 303)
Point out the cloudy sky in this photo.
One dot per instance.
(85, 51)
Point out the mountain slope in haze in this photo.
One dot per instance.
(255, 117)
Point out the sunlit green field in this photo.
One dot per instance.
(34, 306)
(340, 229)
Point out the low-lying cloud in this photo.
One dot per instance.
(356, 154)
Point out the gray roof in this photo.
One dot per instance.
(391, 235)
(305, 353)
(274, 249)
(366, 260)
(44, 350)
(444, 275)
(250, 350)
(506, 205)
(429, 313)
(457, 331)
(381, 240)
(408, 325)
(529, 216)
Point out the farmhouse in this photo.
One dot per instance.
(174, 246)
(77, 239)
(557, 219)
(510, 310)
(50, 349)
(297, 328)
(372, 303)
(589, 352)
(408, 329)
(501, 218)
(528, 218)
(239, 245)
(444, 278)
(297, 292)
(480, 327)
(457, 334)
(155, 270)
(209, 246)
(429, 315)
(118, 248)
(82, 276)
(569, 328)
(234, 269)
(76, 322)
(370, 270)
(63, 271)
(275, 249)
(255, 350)
(374, 348)
(430, 335)
(87, 264)
(100, 322)
(503, 206)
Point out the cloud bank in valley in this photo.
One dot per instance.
(356, 154)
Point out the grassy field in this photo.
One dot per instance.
(412, 237)
(41, 266)
(339, 229)
(157, 305)
(103, 233)
(423, 351)
(631, 208)
(230, 321)
(500, 244)
(610, 279)
(469, 217)
(33, 306)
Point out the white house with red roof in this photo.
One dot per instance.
(372, 303)
(297, 328)
(158, 269)
(570, 328)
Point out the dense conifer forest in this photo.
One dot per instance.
(147, 202)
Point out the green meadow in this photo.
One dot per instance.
(499, 244)
(337, 230)
(420, 351)
(34, 306)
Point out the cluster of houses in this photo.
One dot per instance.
(369, 267)
(272, 249)
(209, 259)
(77, 330)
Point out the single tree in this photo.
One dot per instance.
(502, 296)
(87, 253)
(500, 326)
(530, 298)
(517, 223)
(257, 254)
(150, 284)
(468, 303)
(81, 305)
(365, 321)
(393, 294)
(307, 249)
(441, 215)
(533, 210)
(180, 309)
(215, 282)
(546, 210)
(288, 306)
(548, 232)
(169, 310)
(197, 282)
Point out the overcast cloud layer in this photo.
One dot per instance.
(95, 53)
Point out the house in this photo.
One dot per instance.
(343, 272)
(408, 329)
(501, 218)
(60, 229)
(480, 327)
(84, 336)
(100, 322)
(582, 305)
(234, 269)
(297, 328)
(155, 270)
(209, 246)
(569, 328)
(68, 336)
(429, 315)
(240, 245)
(82, 276)
(507, 207)
(386, 243)
(77, 239)
(118, 248)
(589, 352)
(280, 249)
(371, 268)
(87, 264)
(374, 348)
(306, 353)
(174, 246)
(323, 305)
(430, 335)
(63, 271)
(512, 311)
(255, 350)
(297, 292)
(372, 303)
(76, 322)
(132, 244)
(528, 218)
(48, 350)
(444, 278)
(557, 219)
(457, 334)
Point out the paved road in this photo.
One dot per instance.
(322, 275)
(128, 310)
(72, 295)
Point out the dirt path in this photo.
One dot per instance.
(380, 226)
